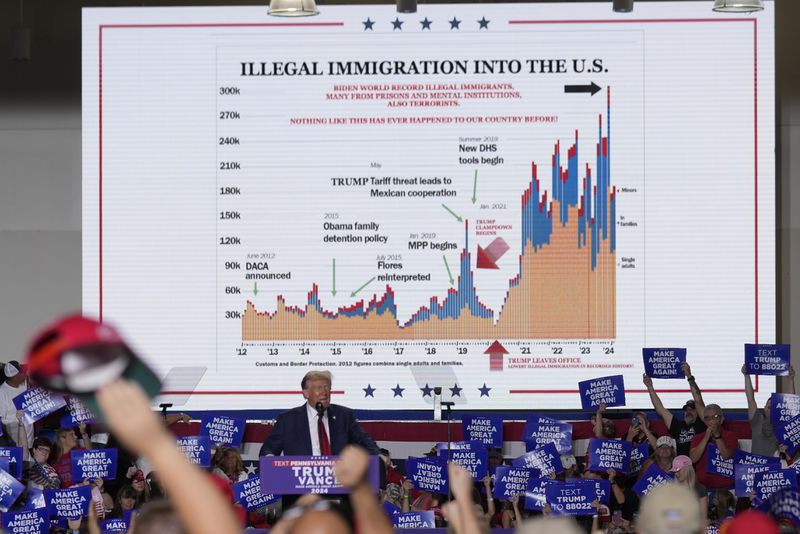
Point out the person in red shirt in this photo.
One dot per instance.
(66, 442)
(723, 439)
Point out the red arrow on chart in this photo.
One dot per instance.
(496, 352)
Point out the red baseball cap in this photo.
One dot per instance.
(79, 355)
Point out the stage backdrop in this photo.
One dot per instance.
(500, 200)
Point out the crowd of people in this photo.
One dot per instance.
(154, 478)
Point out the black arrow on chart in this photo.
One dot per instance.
(591, 88)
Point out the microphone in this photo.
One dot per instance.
(320, 408)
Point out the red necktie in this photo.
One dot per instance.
(324, 444)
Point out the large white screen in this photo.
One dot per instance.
(387, 195)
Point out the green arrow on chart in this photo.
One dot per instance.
(454, 214)
(255, 288)
(333, 291)
(475, 186)
(354, 293)
(448, 270)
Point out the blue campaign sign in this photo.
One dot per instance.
(77, 413)
(390, 508)
(652, 478)
(789, 434)
(487, 430)
(10, 490)
(744, 457)
(785, 407)
(196, 449)
(511, 481)
(539, 431)
(90, 464)
(545, 459)
(429, 474)
(14, 457)
(248, 493)
(70, 503)
(34, 499)
(571, 498)
(639, 454)
(605, 454)
(783, 505)
(222, 430)
(745, 476)
(424, 519)
(454, 446)
(608, 390)
(37, 403)
(4, 465)
(768, 482)
(663, 363)
(474, 457)
(535, 494)
(718, 465)
(602, 488)
(292, 475)
(26, 522)
(113, 525)
(764, 359)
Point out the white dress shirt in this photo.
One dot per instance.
(312, 427)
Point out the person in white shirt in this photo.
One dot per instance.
(16, 383)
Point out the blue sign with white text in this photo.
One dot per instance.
(768, 482)
(652, 478)
(511, 481)
(89, 464)
(545, 459)
(789, 434)
(718, 465)
(113, 525)
(14, 457)
(572, 498)
(292, 475)
(536, 493)
(663, 363)
(77, 413)
(784, 407)
(424, 519)
(26, 522)
(764, 359)
(608, 390)
(10, 490)
(639, 454)
(605, 454)
(70, 503)
(37, 403)
(196, 449)
(222, 430)
(248, 493)
(428, 474)
(744, 457)
(487, 430)
(540, 430)
(473, 458)
(745, 477)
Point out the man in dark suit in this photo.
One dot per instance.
(317, 427)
